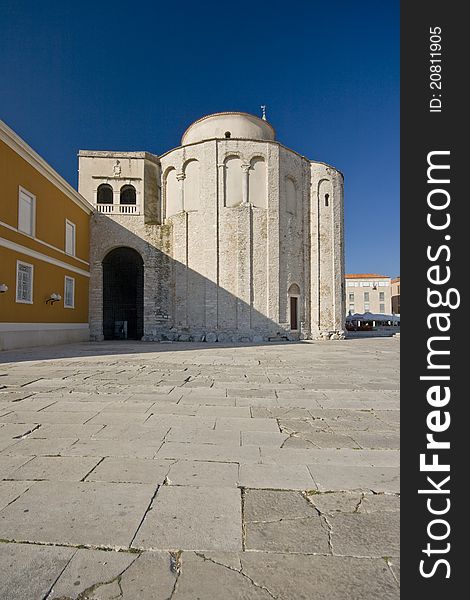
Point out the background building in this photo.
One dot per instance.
(396, 295)
(368, 292)
(229, 237)
(44, 246)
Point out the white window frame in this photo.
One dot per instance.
(22, 190)
(24, 264)
(72, 279)
(74, 239)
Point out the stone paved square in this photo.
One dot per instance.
(256, 471)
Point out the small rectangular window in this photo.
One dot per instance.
(26, 212)
(69, 292)
(366, 297)
(381, 296)
(69, 237)
(24, 283)
(382, 308)
(366, 307)
(351, 308)
(351, 297)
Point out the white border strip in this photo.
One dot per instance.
(53, 261)
(41, 326)
(31, 237)
(14, 141)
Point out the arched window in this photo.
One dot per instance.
(191, 186)
(104, 194)
(291, 196)
(172, 196)
(257, 182)
(128, 195)
(233, 182)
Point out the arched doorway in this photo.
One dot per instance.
(123, 295)
(294, 298)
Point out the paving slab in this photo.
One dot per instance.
(9, 464)
(377, 440)
(40, 447)
(55, 468)
(94, 513)
(295, 577)
(28, 571)
(149, 577)
(281, 477)
(200, 473)
(207, 578)
(367, 534)
(377, 479)
(11, 491)
(204, 436)
(170, 524)
(112, 447)
(209, 452)
(87, 569)
(131, 470)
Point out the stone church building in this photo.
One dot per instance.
(229, 237)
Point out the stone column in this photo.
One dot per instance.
(181, 177)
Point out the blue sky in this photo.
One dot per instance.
(132, 76)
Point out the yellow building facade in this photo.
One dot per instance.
(44, 251)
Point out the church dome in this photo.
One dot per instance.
(228, 125)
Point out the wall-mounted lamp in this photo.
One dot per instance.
(3, 288)
(53, 298)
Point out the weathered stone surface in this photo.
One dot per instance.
(372, 534)
(276, 477)
(294, 577)
(209, 578)
(55, 468)
(263, 438)
(171, 524)
(305, 535)
(11, 490)
(203, 436)
(203, 474)
(9, 464)
(370, 439)
(97, 514)
(40, 447)
(271, 505)
(87, 569)
(131, 470)
(168, 384)
(28, 572)
(376, 479)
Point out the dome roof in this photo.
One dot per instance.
(228, 125)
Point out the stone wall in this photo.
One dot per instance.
(229, 230)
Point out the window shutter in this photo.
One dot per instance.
(70, 238)
(25, 214)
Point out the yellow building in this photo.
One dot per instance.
(44, 251)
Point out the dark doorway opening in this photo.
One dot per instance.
(293, 313)
(123, 295)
